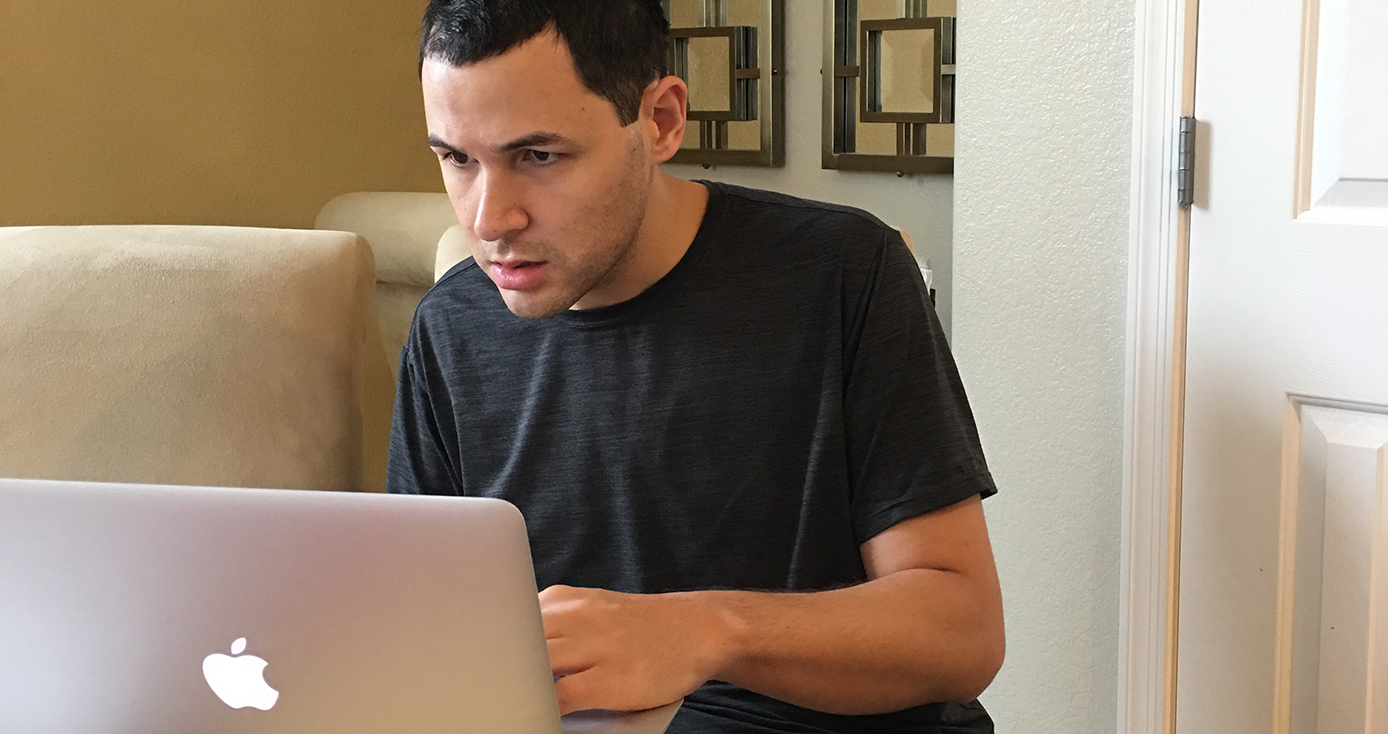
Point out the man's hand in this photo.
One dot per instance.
(927, 626)
(626, 652)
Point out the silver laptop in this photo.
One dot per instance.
(128, 609)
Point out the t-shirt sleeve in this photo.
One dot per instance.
(911, 439)
(418, 462)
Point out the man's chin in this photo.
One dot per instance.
(535, 305)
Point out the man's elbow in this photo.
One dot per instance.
(973, 663)
(982, 667)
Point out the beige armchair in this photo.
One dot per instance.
(191, 355)
(403, 229)
(454, 247)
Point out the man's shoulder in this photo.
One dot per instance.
(767, 226)
(460, 270)
(464, 294)
(464, 285)
(785, 211)
(786, 228)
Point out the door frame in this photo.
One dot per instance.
(1159, 229)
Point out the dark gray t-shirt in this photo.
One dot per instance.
(781, 396)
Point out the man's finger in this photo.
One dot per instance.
(557, 618)
(566, 657)
(554, 623)
(576, 693)
(556, 593)
(594, 689)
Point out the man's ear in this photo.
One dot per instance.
(663, 112)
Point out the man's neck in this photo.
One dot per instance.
(674, 211)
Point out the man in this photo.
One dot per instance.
(702, 397)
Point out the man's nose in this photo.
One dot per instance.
(499, 208)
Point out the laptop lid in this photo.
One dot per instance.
(127, 608)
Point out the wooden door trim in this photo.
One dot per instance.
(1164, 91)
(1306, 114)
(1291, 443)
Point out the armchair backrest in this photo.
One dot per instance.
(403, 229)
(191, 355)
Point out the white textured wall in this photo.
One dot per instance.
(918, 204)
(1040, 250)
(1034, 287)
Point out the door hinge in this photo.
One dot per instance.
(1185, 163)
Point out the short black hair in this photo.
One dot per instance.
(618, 46)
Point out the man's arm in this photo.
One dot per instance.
(927, 626)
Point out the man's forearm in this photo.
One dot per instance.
(928, 627)
(912, 637)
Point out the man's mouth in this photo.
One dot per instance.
(513, 263)
(517, 275)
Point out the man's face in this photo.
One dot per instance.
(543, 175)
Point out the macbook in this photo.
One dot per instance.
(130, 609)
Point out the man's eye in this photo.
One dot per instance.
(542, 156)
(457, 159)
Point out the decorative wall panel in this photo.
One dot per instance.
(729, 54)
(889, 85)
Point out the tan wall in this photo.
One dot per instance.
(250, 112)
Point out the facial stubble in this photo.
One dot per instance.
(615, 224)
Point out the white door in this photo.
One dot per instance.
(1283, 622)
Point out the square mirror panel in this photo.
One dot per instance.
(889, 85)
(729, 54)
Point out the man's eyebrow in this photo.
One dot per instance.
(532, 140)
(437, 142)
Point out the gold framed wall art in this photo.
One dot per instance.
(889, 85)
(729, 54)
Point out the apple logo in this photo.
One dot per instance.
(239, 680)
